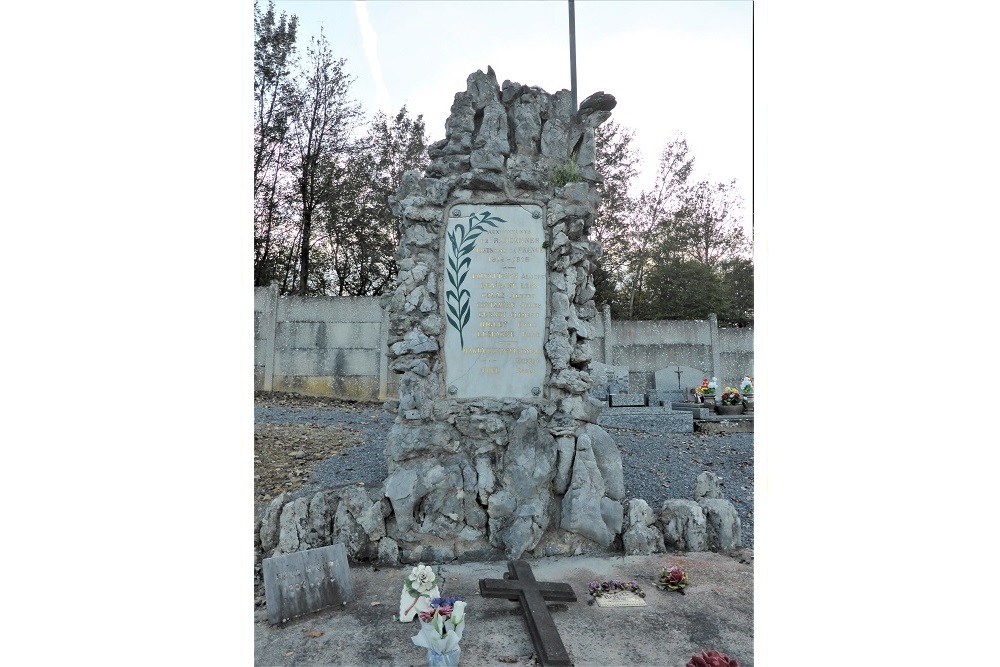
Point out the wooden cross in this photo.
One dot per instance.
(519, 584)
(678, 371)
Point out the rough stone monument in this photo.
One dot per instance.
(496, 451)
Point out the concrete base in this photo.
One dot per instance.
(654, 419)
(717, 424)
(697, 409)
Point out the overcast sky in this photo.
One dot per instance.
(674, 67)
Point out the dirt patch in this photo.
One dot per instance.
(285, 454)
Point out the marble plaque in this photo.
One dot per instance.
(306, 581)
(494, 297)
(620, 599)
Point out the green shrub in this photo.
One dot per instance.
(566, 173)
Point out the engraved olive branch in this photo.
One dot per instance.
(459, 255)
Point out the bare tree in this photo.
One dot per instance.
(322, 129)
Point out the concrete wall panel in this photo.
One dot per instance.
(336, 363)
(320, 335)
(335, 346)
(329, 309)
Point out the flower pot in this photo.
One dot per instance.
(748, 402)
(730, 409)
(708, 401)
(435, 659)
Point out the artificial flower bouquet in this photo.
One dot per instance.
(712, 659)
(731, 396)
(707, 387)
(419, 587)
(442, 625)
(746, 385)
(673, 579)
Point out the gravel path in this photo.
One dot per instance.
(656, 466)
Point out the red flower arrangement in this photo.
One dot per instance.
(712, 659)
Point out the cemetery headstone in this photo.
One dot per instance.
(519, 584)
(300, 583)
(672, 383)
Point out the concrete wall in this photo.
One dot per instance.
(335, 346)
(647, 346)
(321, 346)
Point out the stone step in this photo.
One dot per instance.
(697, 409)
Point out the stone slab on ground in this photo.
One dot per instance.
(716, 424)
(715, 613)
(627, 400)
(697, 409)
(299, 583)
(654, 419)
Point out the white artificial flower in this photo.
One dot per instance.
(423, 578)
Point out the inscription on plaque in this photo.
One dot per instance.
(306, 581)
(494, 301)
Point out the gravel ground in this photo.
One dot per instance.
(656, 466)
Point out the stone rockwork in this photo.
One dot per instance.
(494, 475)
(488, 476)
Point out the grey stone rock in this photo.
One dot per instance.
(320, 518)
(613, 514)
(388, 551)
(483, 159)
(414, 342)
(609, 459)
(481, 180)
(724, 530)
(707, 486)
(599, 101)
(565, 447)
(485, 479)
(555, 136)
(683, 525)
(511, 90)
(592, 120)
(462, 116)
(588, 152)
(482, 88)
(269, 523)
(492, 135)
(293, 527)
(640, 540)
(562, 105)
(581, 506)
(502, 504)
(582, 408)
(527, 126)
(640, 513)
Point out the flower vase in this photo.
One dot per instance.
(748, 402)
(450, 659)
(708, 400)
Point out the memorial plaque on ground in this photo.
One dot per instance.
(306, 581)
(494, 297)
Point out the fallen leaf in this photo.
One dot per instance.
(314, 633)
(507, 658)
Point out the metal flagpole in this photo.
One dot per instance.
(572, 52)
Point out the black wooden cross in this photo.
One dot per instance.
(678, 371)
(519, 584)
